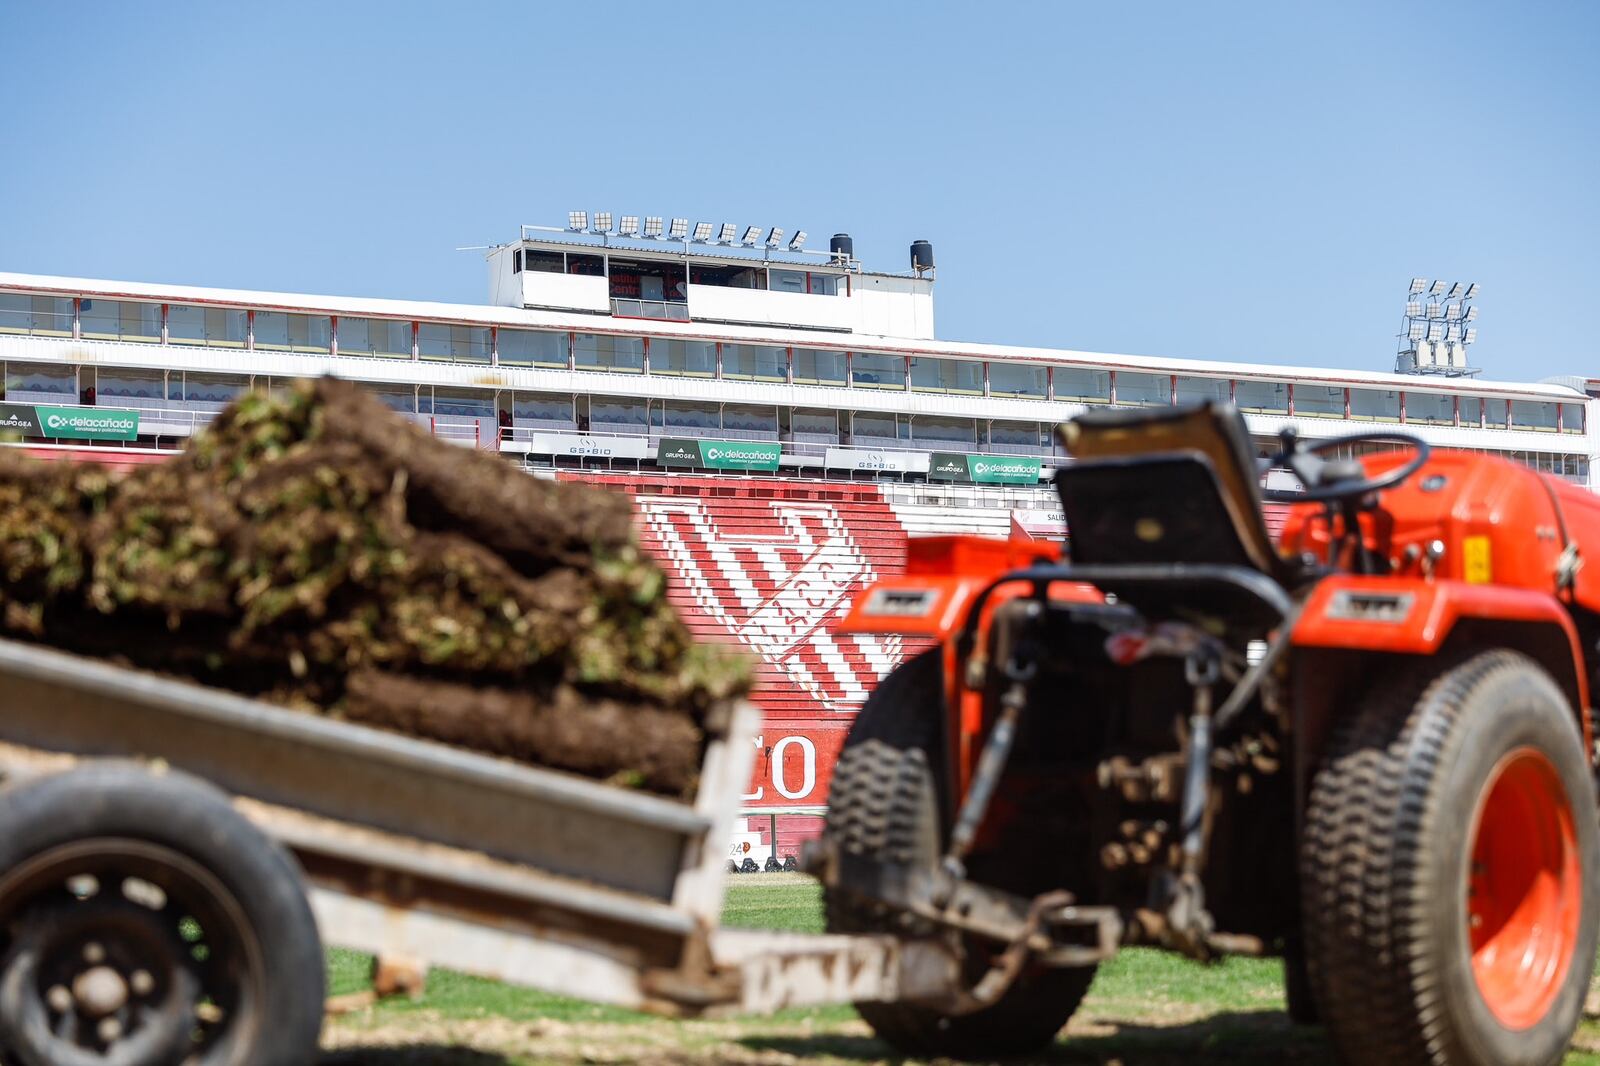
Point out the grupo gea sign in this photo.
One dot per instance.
(718, 454)
(984, 469)
(69, 423)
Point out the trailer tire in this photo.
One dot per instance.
(888, 798)
(1450, 843)
(189, 918)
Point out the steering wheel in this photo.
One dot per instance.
(1339, 479)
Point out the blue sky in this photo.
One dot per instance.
(1220, 180)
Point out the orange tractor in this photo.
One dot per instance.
(1366, 748)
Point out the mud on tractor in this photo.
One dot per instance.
(1366, 747)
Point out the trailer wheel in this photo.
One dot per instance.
(1450, 846)
(886, 798)
(144, 922)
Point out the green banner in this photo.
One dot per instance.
(87, 423)
(718, 454)
(984, 469)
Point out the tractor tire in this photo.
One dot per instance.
(1450, 845)
(887, 798)
(195, 922)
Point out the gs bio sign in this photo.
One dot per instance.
(794, 765)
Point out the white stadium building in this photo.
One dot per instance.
(784, 418)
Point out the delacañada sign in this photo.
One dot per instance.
(984, 469)
(69, 423)
(718, 454)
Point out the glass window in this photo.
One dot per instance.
(127, 383)
(523, 347)
(811, 423)
(755, 362)
(1147, 389)
(219, 327)
(375, 337)
(46, 378)
(947, 375)
(444, 343)
(616, 411)
(750, 418)
(1372, 405)
(1572, 418)
(543, 262)
(462, 403)
(309, 333)
(935, 429)
(818, 368)
(786, 280)
(695, 359)
(1495, 413)
(873, 371)
(401, 398)
(1319, 401)
(1270, 397)
(1533, 414)
(681, 414)
(598, 351)
(1194, 390)
(542, 407)
(824, 284)
(271, 330)
(872, 425)
(211, 388)
(1029, 434)
(1080, 383)
(1430, 408)
(16, 313)
(1018, 379)
(116, 320)
(589, 265)
(50, 315)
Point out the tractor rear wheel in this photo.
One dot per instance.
(1450, 844)
(888, 798)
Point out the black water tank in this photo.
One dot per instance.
(921, 256)
(842, 246)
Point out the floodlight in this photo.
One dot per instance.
(1452, 311)
(1471, 315)
(702, 231)
(1455, 290)
(726, 233)
(629, 226)
(679, 229)
(1472, 290)
(1436, 288)
(752, 236)
(1416, 331)
(1435, 310)
(577, 220)
(775, 237)
(1417, 285)
(1435, 332)
(602, 221)
(1452, 332)
(1413, 308)
(797, 241)
(652, 227)
(1472, 335)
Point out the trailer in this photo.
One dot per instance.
(173, 859)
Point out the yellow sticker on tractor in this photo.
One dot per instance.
(1475, 566)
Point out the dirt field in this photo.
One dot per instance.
(1145, 1008)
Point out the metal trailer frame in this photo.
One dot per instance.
(415, 850)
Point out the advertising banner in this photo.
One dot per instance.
(718, 454)
(69, 423)
(870, 459)
(984, 469)
(591, 447)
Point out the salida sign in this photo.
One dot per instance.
(794, 766)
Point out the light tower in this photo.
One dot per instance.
(1437, 329)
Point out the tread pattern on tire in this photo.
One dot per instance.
(1360, 855)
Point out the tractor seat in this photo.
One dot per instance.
(1166, 487)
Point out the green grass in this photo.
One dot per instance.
(1146, 1007)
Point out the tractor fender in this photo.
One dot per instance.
(1417, 616)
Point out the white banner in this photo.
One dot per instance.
(1041, 525)
(870, 459)
(592, 447)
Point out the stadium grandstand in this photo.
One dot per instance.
(784, 419)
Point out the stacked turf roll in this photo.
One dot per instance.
(315, 549)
